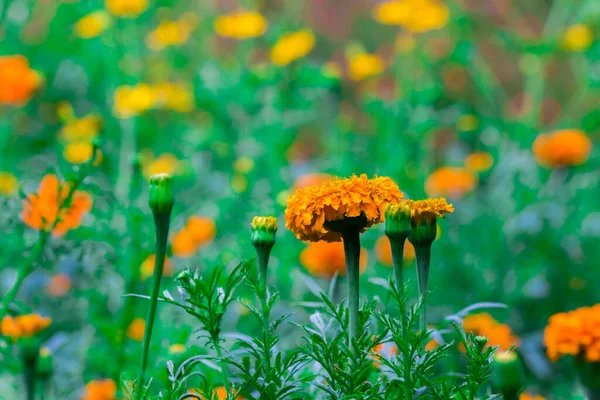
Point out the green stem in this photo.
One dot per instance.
(223, 367)
(29, 377)
(24, 271)
(161, 221)
(423, 256)
(263, 252)
(352, 252)
(397, 245)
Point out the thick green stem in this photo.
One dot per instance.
(161, 221)
(29, 376)
(423, 256)
(352, 252)
(263, 252)
(397, 245)
(223, 366)
(24, 271)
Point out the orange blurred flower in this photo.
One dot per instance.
(48, 208)
(529, 396)
(479, 162)
(498, 334)
(102, 389)
(219, 393)
(17, 80)
(136, 329)
(324, 259)
(450, 181)
(147, 267)
(383, 350)
(383, 251)
(197, 232)
(574, 333)
(59, 285)
(23, 326)
(562, 148)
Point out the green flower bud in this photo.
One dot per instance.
(424, 229)
(44, 365)
(161, 196)
(508, 374)
(397, 221)
(263, 231)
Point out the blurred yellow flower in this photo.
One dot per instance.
(166, 163)
(239, 183)
(126, 8)
(130, 101)
(363, 65)
(9, 185)
(241, 25)
(136, 329)
(479, 162)
(92, 24)
(174, 96)
(292, 46)
(177, 348)
(467, 123)
(413, 15)
(147, 267)
(81, 152)
(170, 33)
(243, 165)
(79, 129)
(577, 38)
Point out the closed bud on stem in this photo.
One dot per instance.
(263, 231)
(508, 375)
(424, 229)
(161, 198)
(397, 221)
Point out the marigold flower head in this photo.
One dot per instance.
(92, 24)
(310, 209)
(324, 259)
(451, 182)
(23, 326)
(429, 207)
(147, 267)
(383, 251)
(574, 333)
(102, 389)
(497, 334)
(48, 208)
(126, 8)
(562, 148)
(9, 184)
(197, 233)
(363, 65)
(479, 162)
(17, 80)
(292, 46)
(577, 38)
(241, 25)
(136, 329)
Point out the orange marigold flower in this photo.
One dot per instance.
(136, 329)
(383, 350)
(102, 389)
(450, 181)
(529, 396)
(431, 345)
(48, 208)
(574, 333)
(479, 162)
(563, 148)
(498, 334)
(17, 80)
(147, 267)
(383, 251)
(324, 259)
(59, 285)
(23, 326)
(434, 207)
(309, 209)
(197, 233)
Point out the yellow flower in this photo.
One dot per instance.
(363, 65)
(467, 123)
(92, 24)
(414, 15)
(562, 148)
(174, 96)
(169, 33)
(130, 101)
(434, 207)
(147, 267)
(243, 165)
(239, 183)
(479, 162)
(577, 38)
(331, 69)
(81, 129)
(9, 185)
(241, 25)
(126, 8)
(136, 329)
(166, 163)
(292, 46)
(81, 152)
(310, 209)
(177, 348)
(23, 326)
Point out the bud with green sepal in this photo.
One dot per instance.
(508, 375)
(397, 229)
(263, 234)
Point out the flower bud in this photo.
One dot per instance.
(424, 229)
(44, 364)
(397, 221)
(263, 231)
(161, 196)
(508, 375)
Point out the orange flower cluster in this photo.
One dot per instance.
(48, 209)
(23, 326)
(17, 80)
(197, 232)
(435, 207)
(383, 350)
(450, 181)
(383, 251)
(324, 259)
(529, 396)
(574, 333)
(136, 329)
(102, 389)
(308, 209)
(498, 334)
(147, 267)
(563, 148)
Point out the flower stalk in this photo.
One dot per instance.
(161, 203)
(397, 229)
